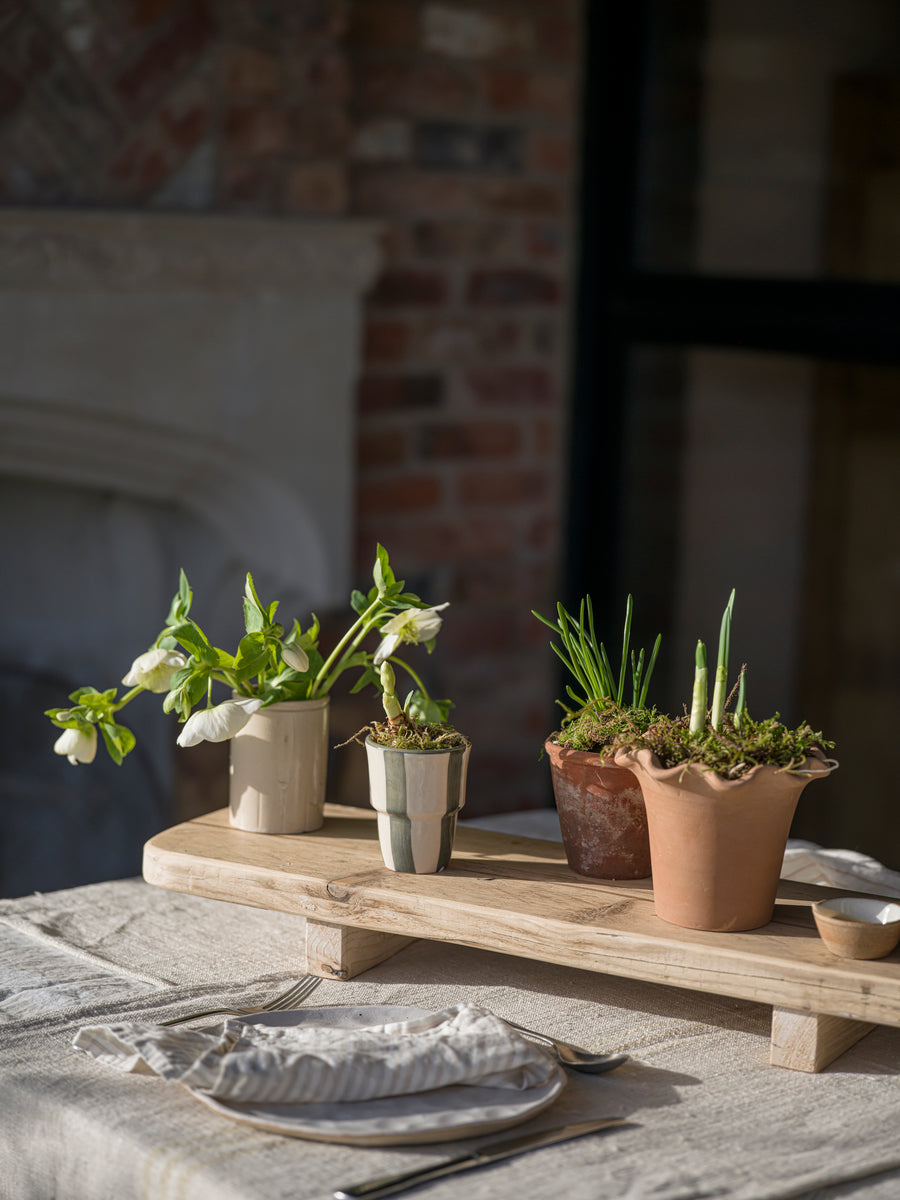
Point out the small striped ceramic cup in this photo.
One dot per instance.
(417, 794)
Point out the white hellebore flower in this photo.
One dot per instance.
(77, 746)
(154, 670)
(413, 625)
(295, 656)
(218, 724)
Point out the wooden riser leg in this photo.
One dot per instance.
(810, 1041)
(340, 951)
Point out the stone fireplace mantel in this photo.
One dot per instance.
(203, 361)
(175, 391)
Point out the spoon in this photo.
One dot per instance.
(574, 1056)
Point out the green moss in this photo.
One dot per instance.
(729, 752)
(601, 727)
(411, 735)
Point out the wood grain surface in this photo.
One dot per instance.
(517, 896)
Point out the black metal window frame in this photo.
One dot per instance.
(620, 307)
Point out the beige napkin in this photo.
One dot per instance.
(323, 1064)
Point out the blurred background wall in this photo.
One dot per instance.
(632, 327)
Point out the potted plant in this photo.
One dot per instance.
(278, 685)
(721, 790)
(417, 776)
(601, 810)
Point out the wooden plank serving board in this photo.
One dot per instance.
(517, 895)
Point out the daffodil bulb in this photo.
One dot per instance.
(219, 723)
(414, 625)
(295, 657)
(79, 746)
(154, 669)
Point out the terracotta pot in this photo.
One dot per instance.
(717, 845)
(602, 815)
(278, 768)
(416, 794)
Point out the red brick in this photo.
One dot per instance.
(418, 88)
(545, 437)
(390, 190)
(320, 132)
(516, 384)
(385, 341)
(521, 196)
(382, 448)
(249, 185)
(559, 37)
(553, 95)
(144, 164)
(257, 129)
(470, 440)
(401, 286)
(403, 493)
(163, 60)
(511, 90)
(327, 77)
(430, 540)
(552, 152)
(544, 238)
(508, 89)
(249, 71)
(515, 486)
(316, 188)
(186, 114)
(383, 25)
(391, 393)
(513, 285)
(479, 238)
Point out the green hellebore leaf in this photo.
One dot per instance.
(254, 620)
(358, 602)
(192, 637)
(119, 740)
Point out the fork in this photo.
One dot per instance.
(294, 995)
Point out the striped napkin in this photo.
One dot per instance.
(323, 1064)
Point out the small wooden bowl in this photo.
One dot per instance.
(858, 927)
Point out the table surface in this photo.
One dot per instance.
(706, 1114)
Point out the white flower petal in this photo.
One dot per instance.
(219, 723)
(154, 669)
(77, 746)
(386, 649)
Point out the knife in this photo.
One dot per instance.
(387, 1185)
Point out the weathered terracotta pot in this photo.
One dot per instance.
(717, 845)
(602, 816)
(417, 795)
(279, 762)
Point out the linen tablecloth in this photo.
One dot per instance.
(707, 1115)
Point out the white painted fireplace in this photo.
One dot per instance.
(174, 391)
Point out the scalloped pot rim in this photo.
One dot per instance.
(645, 760)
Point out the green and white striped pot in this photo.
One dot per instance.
(417, 794)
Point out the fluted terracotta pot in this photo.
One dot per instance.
(278, 768)
(417, 795)
(717, 845)
(602, 816)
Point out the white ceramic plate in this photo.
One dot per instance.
(439, 1116)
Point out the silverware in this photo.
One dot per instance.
(575, 1057)
(295, 994)
(491, 1152)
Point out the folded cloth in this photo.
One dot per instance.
(310, 1063)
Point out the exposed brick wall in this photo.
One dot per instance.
(464, 128)
(455, 124)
